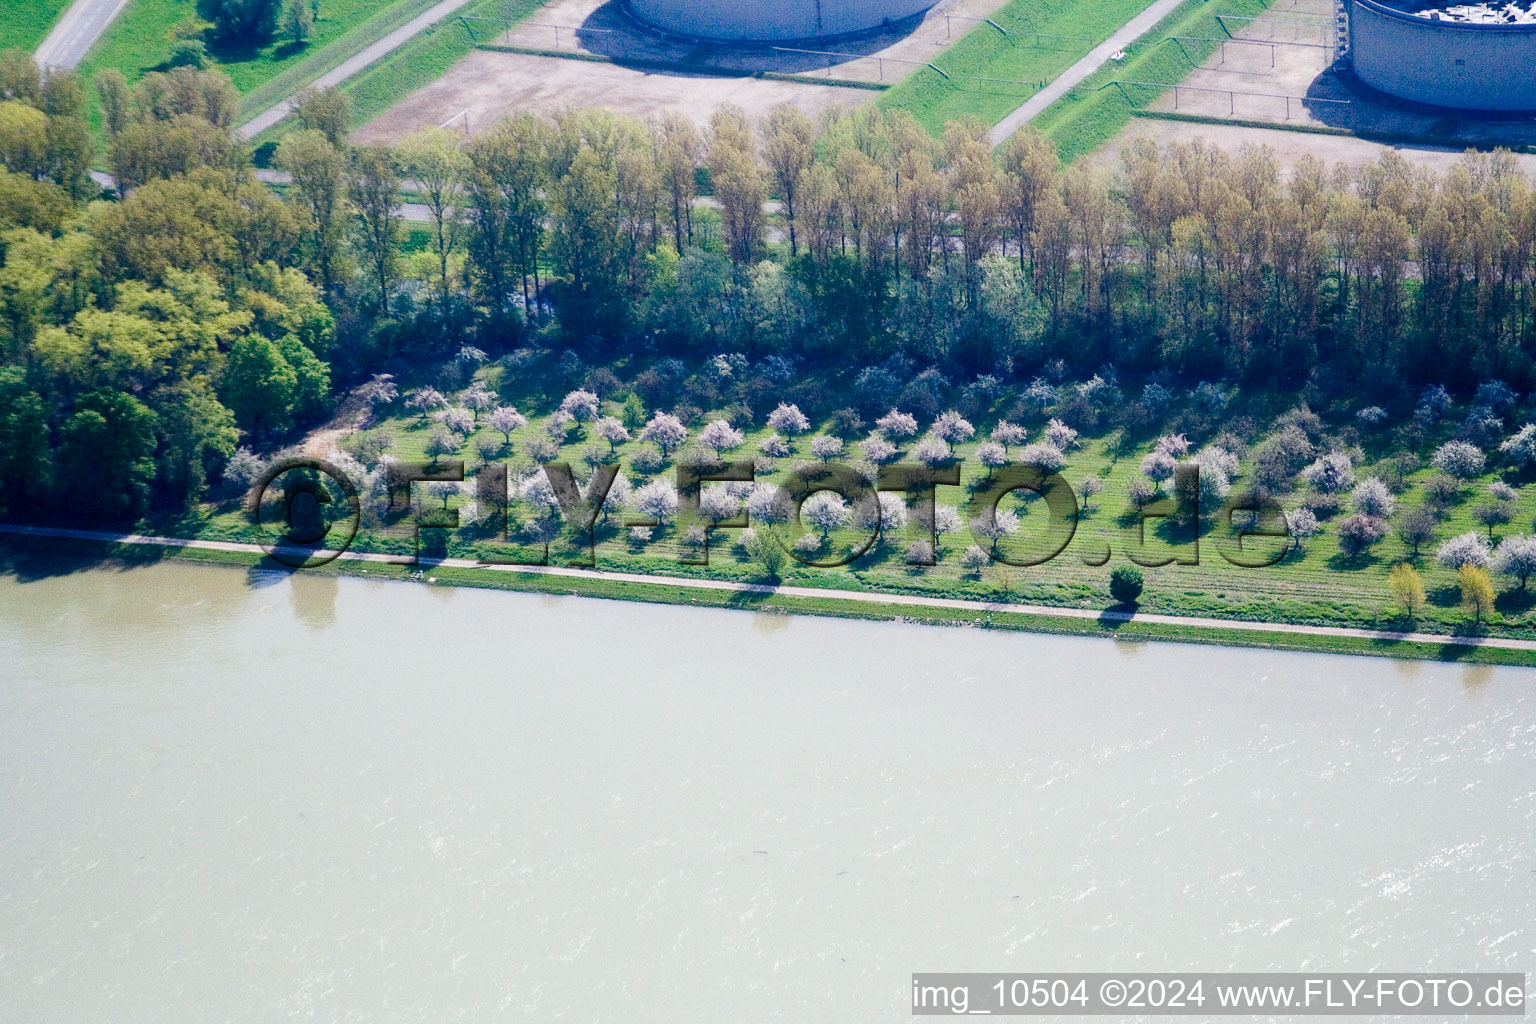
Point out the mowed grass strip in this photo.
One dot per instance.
(24, 23)
(1095, 111)
(983, 52)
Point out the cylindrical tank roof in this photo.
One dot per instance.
(773, 20)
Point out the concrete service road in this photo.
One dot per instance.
(75, 31)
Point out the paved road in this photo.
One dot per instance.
(75, 31)
(352, 65)
(1064, 82)
(858, 597)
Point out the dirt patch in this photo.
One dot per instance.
(490, 85)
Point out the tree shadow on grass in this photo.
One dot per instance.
(1515, 602)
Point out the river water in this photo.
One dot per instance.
(242, 796)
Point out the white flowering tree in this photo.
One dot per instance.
(930, 451)
(426, 400)
(1060, 435)
(717, 503)
(1516, 556)
(665, 431)
(1158, 466)
(1009, 434)
(457, 419)
(443, 490)
(477, 398)
(992, 455)
(1043, 455)
(1460, 459)
(1373, 498)
(877, 449)
(1330, 473)
(1467, 549)
(1088, 486)
(946, 520)
(788, 420)
(883, 510)
(612, 431)
(656, 500)
(952, 429)
(1302, 525)
(1176, 445)
(580, 405)
(974, 559)
(720, 436)
(539, 494)
(825, 511)
(380, 390)
(1520, 447)
(504, 419)
(619, 495)
(993, 527)
(441, 442)
(826, 447)
(774, 446)
(898, 426)
(1217, 458)
(244, 468)
(769, 505)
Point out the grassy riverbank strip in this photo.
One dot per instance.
(131, 549)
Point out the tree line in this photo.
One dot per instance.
(150, 329)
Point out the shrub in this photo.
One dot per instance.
(1125, 584)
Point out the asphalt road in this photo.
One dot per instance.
(75, 31)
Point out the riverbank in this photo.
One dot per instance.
(1110, 623)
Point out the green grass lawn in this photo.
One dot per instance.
(140, 41)
(1315, 584)
(985, 53)
(1095, 111)
(24, 23)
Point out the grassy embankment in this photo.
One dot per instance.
(1316, 584)
(1095, 111)
(24, 23)
(983, 52)
(126, 556)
